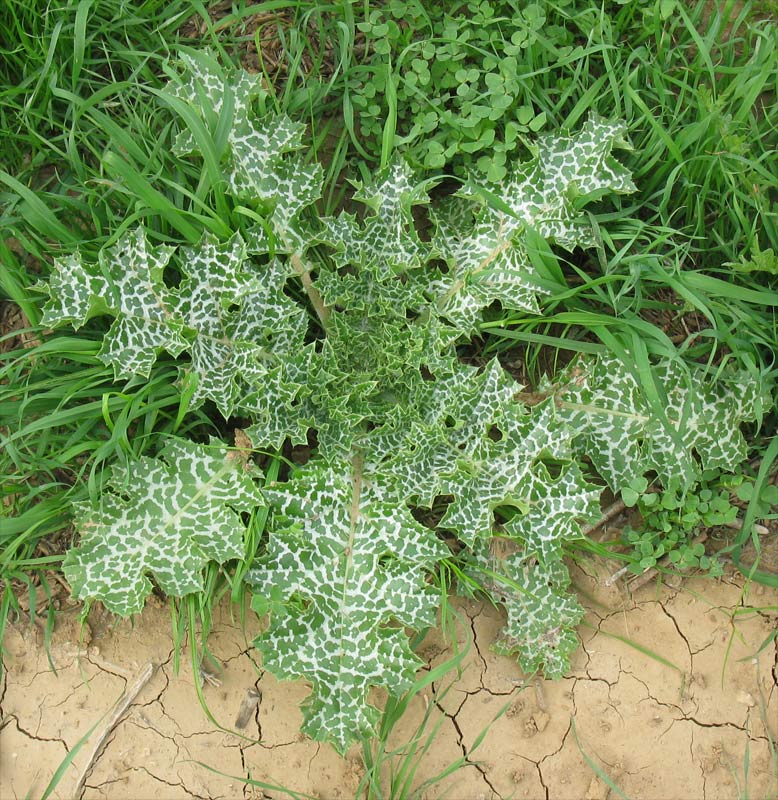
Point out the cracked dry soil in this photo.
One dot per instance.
(676, 729)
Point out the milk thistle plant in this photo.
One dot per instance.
(344, 333)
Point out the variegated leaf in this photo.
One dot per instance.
(77, 291)
(255, 157)
(553, 510)
(356, 567)
(542, 614)
(602, 402)
(701, 429)
(386, 241)
(233, 318)
(503, 472)
(241, 334)
(697, 428)
(126, 283)
(279, 403)
(490, 261)
(378, 391)
(202, 82)
(165, 517)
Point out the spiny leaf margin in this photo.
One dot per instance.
(167, 517)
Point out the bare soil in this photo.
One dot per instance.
(668, 695)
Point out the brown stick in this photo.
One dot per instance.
(119, 710)
(540, 695)
(616, 575)
(737, 524)
(607, 515)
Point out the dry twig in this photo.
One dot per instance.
(612, 511)
(119, 710)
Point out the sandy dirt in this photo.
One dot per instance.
(700, 723)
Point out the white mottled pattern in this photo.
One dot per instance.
(166, 517)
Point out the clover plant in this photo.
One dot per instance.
(462, 97)
(671, 520)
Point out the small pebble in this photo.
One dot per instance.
(541, 720)
(746, 699)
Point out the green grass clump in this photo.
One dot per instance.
(55, 56)
(466, 86)
(701, 91)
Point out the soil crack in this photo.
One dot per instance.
(178, 785)
(4, 684)
(99, 787)
(258, 707)
(483, 666)
(540, 778)
(728, 725)
(34, 736)
(158, 698)
(104, 666)
(775, 663)
(677, 627)
(144, 725)
(463, 746)
(561, 744)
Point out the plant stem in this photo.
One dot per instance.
(322, 311)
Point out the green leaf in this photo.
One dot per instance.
(256, 146)
(166, 517)
(745, 491)
(703, 420)
(454, 447)
(625, 438)
(555, 507)
(761, 261)
(233, 348)
(489, 261)
(233, 318)
(542, 615)
(387, 238)
(357, 564)
(127, 283)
